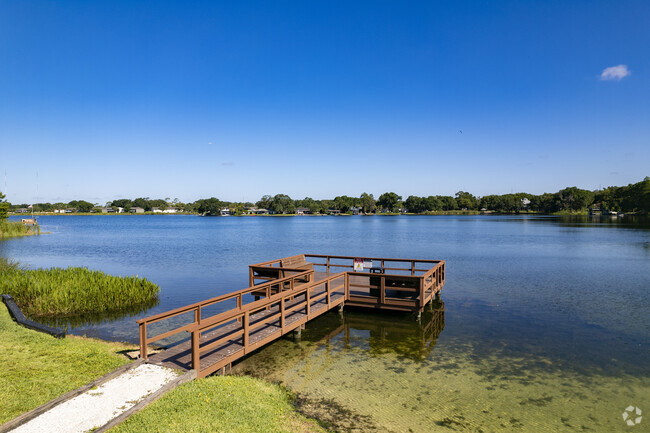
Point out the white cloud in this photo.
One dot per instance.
(615, 73)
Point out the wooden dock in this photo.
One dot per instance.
(284, 294)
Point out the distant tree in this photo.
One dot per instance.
(142, 202)
(367, 202)
(159, 203)
(265, 202)
(389, 201)
(81, 205)
(124, 203)
(343, 203)
(309, 203)
(544, 203)
(415, 204)
(448, 203)
(4, 207)
(432, 203)
(283, 204)
(465, 200)
(211, 206)
(574, 198)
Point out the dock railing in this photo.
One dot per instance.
(268, 289)
(399, 284)
(276, 308)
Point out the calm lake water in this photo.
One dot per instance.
(543, 323)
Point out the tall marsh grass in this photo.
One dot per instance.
(10, 229)
(58, 292)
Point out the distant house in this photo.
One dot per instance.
(59, 210)
(156, 210)
(22, 210)
(225, 212)
(137, 210)
(355, 210)
(171, 210)
(595, 209)
(261, 211)
(333, 212)
(70, 210)
(303, 211)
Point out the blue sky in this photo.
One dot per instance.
(103, 100)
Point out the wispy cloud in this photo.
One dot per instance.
(616, 73)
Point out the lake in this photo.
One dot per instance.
(542, 325)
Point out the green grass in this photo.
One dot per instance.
(58, 292)
(10, 229)
(37, 368)
(221, 404)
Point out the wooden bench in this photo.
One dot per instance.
(296, 262)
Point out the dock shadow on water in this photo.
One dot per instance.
(490, 371)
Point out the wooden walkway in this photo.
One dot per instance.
(223, 353)
(291, 294)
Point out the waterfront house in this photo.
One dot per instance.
(355, 210)
(303, 211)
(225, 212)
(137, 210)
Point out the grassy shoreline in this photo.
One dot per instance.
(38, 367)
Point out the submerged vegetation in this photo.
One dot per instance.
(37, 367)
(58, 292)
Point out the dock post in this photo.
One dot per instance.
(297, 333)
(341, 310)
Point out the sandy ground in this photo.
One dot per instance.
(98, 406)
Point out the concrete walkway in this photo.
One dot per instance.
(99, 405)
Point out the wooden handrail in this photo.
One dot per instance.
(207, 302)
(196, 307)
(246, 311)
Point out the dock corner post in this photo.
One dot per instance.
(382, 290)
(245, 337)
(421, 289)
(282, 322)
(196, 355)
(251, 280)
(347, 286)
(143, 341)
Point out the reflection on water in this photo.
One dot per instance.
(71, 322)
(365, 371)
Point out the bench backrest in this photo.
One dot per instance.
(293, 262)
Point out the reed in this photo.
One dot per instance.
(9, 229)
(58, 292)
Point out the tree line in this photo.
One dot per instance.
(630, 198)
